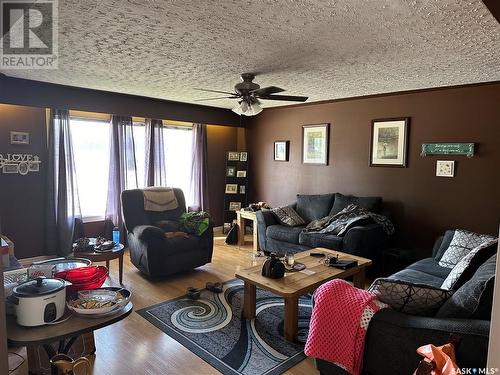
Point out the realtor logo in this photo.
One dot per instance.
(29, 34)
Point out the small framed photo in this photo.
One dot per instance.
(231, 188)
(243, 156)
(230, 171)
(233, 156)
(241, 174)
(389, 142)
(234, 206)
(445, 168)
(242, 189)
(19, 138)
(315, 143)
(281, 150)
(10, 168)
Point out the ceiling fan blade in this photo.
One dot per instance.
(266, 91)
(220, 92)
(285, 97)
(220, 97)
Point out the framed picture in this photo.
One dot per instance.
(233, 156)
(389, 142)
(231, 188)
(315, 144)
(241, 173)
(242, 189)
(234, 206)
(281, 150)
(10, 168)
(19, 138)
(243, 156)
(445, 168)
(230, 171)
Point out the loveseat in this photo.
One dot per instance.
(393, 337)
(366, 240)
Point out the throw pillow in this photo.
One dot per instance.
(462, 243)
(474, 299)
(341, 201)
(410, 298)
(442, 244)
(468, 265)
(288, 216)
(314, 207)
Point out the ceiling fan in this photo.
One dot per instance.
(248, 94)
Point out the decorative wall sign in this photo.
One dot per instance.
(389, 142)
(445, 168)
(19, 138)
(19, 163)
(466, 149)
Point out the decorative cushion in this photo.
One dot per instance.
(414, 299)
(474, 299)
(443, 243)
(341, 201)
(462, 243)
(469, 264)
(288, 216)
(314, 207)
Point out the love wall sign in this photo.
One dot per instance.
(19, 163)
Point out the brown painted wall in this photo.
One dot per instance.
(423, 205)
(22, 198)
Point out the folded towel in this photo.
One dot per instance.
(159, 199)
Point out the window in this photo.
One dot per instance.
(90, 140)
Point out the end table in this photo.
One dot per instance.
(241, 216)
(106, 256)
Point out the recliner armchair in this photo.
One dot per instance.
(150, 250)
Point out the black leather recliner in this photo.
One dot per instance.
(150, 251)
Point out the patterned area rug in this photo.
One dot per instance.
(213, 328)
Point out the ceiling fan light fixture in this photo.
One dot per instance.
(247, 109)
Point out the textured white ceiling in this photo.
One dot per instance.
(318, 48)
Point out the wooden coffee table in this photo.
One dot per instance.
(296, 284)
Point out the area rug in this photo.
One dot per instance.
(213, 328)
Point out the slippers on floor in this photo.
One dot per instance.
(214, 287)
(193, 293)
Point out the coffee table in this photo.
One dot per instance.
(105, 256)
(296, 284)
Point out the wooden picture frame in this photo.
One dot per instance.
(281, 150)
(315, 144)
(389, 142)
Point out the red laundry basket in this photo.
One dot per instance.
(83, 278)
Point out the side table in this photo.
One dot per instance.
(105, 256)
(241, 216)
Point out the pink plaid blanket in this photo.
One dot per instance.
(339, 322)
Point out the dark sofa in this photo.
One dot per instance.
(364, 240)
(150, 251)
(393, 337)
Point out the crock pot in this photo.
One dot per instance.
(39, 301)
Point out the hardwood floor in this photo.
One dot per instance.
(135, 346)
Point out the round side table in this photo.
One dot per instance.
(105, 256)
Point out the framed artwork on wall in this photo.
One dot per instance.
(315, 144)
(230, 171)
(242, 189)
(389, 142)
(241, 174)
(445, 168)
(231, 188)
(281, 150)
(19, 138)
(234, 206)
(243, 156)
(233, 156)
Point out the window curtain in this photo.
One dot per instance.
(199, 169)
(155, 154)
(63, 204)
(122, 169)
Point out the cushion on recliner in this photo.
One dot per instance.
(418, 277)
(314, 207)
(329, 241)
(474, 299)
(341, 201)
(284, 233)
(431, 267)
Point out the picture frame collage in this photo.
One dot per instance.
(235, 188)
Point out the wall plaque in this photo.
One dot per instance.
(466, 149)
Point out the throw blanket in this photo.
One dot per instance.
(159, 199)
(339, 322)
(341, 222)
